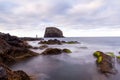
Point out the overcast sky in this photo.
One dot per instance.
(73, 17)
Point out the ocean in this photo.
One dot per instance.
(79, 65)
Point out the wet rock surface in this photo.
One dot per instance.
(11, 47)
(105, 63)
(66, 51)
(7, 74)
(12, 50)
(52, 51)
(58, 42)
(53, 32)
(55, 51)
(51, 42)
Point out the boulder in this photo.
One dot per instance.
(105, 63)
(53, 32)
(52, 51)
(67, 51)
(55, 51)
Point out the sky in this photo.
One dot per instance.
(76, 18)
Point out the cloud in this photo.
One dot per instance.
(65, 14)
(86, 7)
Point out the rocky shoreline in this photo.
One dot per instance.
(12, 50)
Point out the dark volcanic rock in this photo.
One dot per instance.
(13, 40)
(51, 42)
(55, 51)
(12, 48)
(58, 42)
(52, 51)
(105, 63)
(3, 73)
(7, 74)
(6, 59)
(53, 32)
(67, 51)
(21, 53)
(4, 46)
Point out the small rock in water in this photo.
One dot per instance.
(55, 51)
(67, 51)
(52, 51)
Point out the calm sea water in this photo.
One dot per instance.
(79, 65)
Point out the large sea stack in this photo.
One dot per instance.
(53, 32)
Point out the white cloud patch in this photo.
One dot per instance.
(86, 7)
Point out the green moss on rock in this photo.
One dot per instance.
(110, 54)
(67, 51)
(97, 54)
(118, 57)
(99, 60)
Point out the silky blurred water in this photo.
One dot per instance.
(79, 65)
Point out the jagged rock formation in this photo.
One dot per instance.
(53, 32)
(12, 49)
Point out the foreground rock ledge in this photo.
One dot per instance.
(7, 74)
(12, 50)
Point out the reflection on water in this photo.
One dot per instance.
(79, 65)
